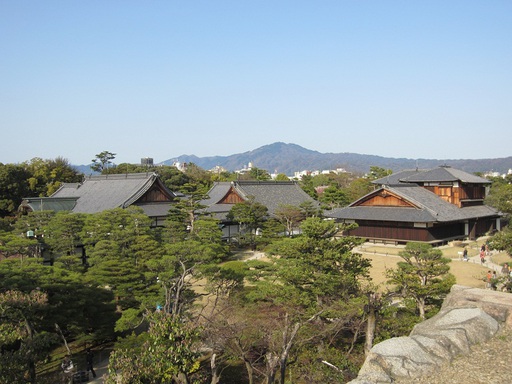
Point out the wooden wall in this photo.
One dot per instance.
(231, 197)
(405, 232)
(155, 194)
(457, 195)
(385, 199)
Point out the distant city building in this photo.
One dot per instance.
(497, 174)
(218, 169)
(180, 166)
(298, 175)
(146, 161)
(492, 174)
(246, 169)
(273, 176)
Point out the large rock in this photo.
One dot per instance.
(469, 316)
(496, 304)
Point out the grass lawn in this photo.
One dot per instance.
(466, 273)
(470, 274)
(501, 258)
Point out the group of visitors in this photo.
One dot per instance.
(506, 271)
(492, 279)
(484, 251)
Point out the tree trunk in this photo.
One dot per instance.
(32, 371)
(371, 323)
(182, 378)
(421, 307)
(287, 345)
(250, 371)
(272, 362)
(214, 370)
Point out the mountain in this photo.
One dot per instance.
(85, 169)
(289, 158)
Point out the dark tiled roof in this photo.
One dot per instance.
(400, 214)
(271, 194)
(102, 192)
(156, 209)
(217, 192)
(395, 178)
(445, 174)
(439, 174)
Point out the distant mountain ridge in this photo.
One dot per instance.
(289, 158)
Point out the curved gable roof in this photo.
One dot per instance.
(429, 208)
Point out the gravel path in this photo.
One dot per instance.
(488, 363)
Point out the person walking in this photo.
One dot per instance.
(494, 281)
(465, 254)
(89, 358)
(67, 370)
(488, 279)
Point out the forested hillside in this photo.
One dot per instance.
(289, 158)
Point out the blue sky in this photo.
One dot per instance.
(414, 79)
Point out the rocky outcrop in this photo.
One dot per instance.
(469, 316)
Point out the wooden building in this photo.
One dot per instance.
(272, 194)
(101, 192)
(432, 206)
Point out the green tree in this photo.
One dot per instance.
(250, 215)
(14, 186)
(185, 261)
(188, 207)
(255, 174)
(121, 226)
(334, 197)
(290, 216)
(27, 235)
(102, 160)
(378, 172)
(310, 209)
(423, 275)
(359, 187)
(63, 232)
(167, 354)
(48, 175)
(12, 244)
(68, 295)
(312, 278)
(282, 177)
(307, 184)
(24, 343)
(502, 241)
(118, 243)
(500, 197)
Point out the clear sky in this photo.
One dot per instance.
(415, 79)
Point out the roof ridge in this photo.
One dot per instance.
(121, 176)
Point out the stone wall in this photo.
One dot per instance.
(469, 316)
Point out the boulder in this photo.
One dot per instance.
(469, 316)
